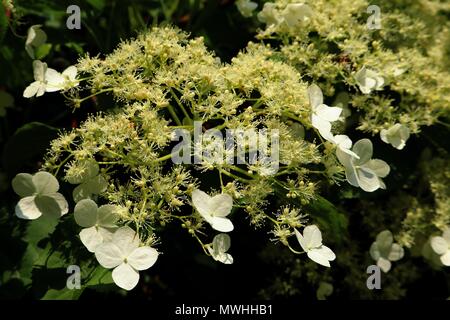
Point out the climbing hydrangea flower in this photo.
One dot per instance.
(269, 14)
(214, 209)
(36, 37)
(397, 135)
(368, 80)
(344, 143)
(364, 172)
(220, 245)
(384, 250)
(98, 223)
(89, 180)
(40, 196)
(124, 254)
(322, 115)
(246, 7)
(441, 245)
(311, 243)
(50, 80)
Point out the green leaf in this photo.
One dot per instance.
(329, 218)
(3, 23)
(97, 4)
(63, 294)
(42, 51)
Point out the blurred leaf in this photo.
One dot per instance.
(3, 23)
(329, 218)
(28, 143)
(42, 51)
(97, 4)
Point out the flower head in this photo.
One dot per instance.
(124, 254)
(384, 250)
(364, 172)
(98, 223)
(40, 196)
(397, 135)
(311, 243)
(214, 209)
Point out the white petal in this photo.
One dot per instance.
(125, 276)
(61, 201)
(396, 253)
(23, 185)
(126, 239)
(367, 179)
(221, 205)
(54, 205)
(445, 259)
(312, 237)
(375, 252)
(39, 70)
(315, 96)
(322, 255)
(221, 224)
(378, 166)
(70, 73)
(221, 243)
(364, 149)
(45, 183)
(107, 216)
(328, 113)
(225, 258)
(201, 202)
(32, 89)
(439, 245)
(109, 255)
(91, 238)
(385, 239)
(86, 213)
(301, 240)
(27, 209)
(384, 264)
(323, 126)
(55, 80)
(142, 258)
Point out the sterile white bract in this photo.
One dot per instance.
(311, 243)
(214, 209)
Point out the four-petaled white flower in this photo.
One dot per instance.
(220, 245)
(40, 196)
(397, 135)
(98, 223)
(246, 7)
(90, 182)
(368, 80)
(50, 80)
(124, 254)
(441, 245)
(35, 38)
(295, 13)
(322, 115)
(384, 250)
(364, 172)
(214, 209)
(311, 243)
